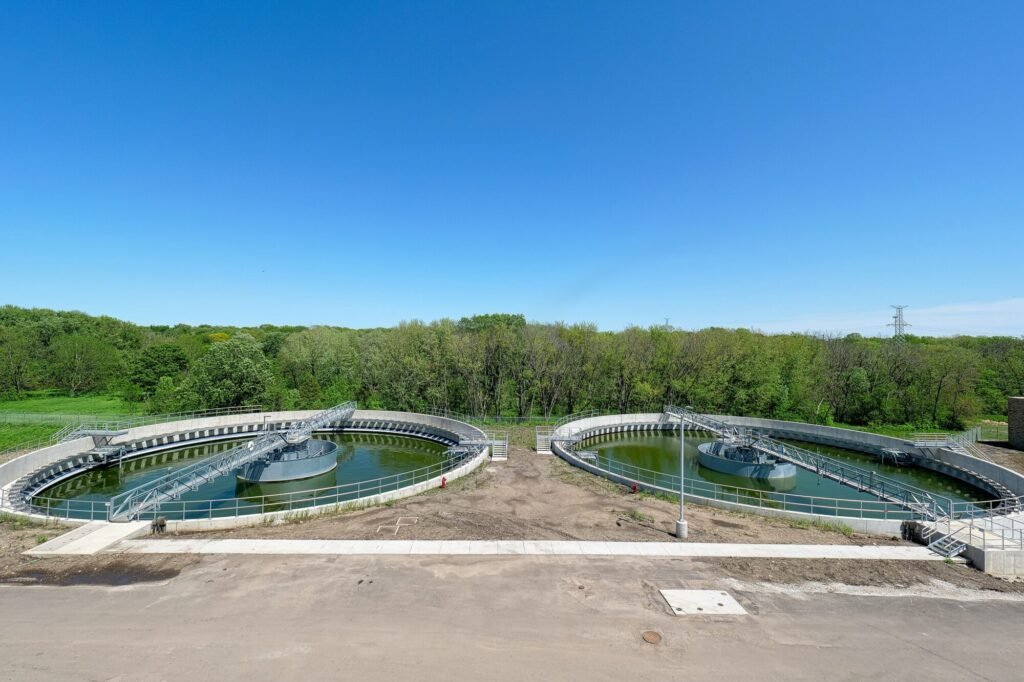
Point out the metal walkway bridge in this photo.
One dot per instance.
(926, 504)
(129, 505)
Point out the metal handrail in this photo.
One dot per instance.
(811, 504)
(241, 506)
(130, 503)
(485, 420)
(844, 473)
(850, 474)
(585, 414)
(73, 423)
(19, 449)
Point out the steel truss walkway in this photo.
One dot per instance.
(926, 504)
(129, 505)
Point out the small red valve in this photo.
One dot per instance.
(636, 487)
(444, 481)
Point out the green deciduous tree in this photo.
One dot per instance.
(231, 373)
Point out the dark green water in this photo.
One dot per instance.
(658, 452)
(361, 458)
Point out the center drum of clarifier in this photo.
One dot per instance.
(313, 457)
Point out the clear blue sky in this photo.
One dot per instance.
(782, 165)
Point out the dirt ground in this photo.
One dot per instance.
(901, 574)
(536, 497)
(17, 536)
(541, 497)
(1003, 455)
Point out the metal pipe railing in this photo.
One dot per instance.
(239, 506)
(696, 488)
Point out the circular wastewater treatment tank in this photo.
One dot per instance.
(658, 452)
(364, 464)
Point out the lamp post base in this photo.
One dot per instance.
(681, 529)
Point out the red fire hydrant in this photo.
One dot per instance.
(636, 487)
(444, 481)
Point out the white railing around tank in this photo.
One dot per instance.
(765, 499)
(259, 504)
(129, 504)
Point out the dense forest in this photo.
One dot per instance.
(503, 365)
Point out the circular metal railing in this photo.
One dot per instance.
(183, 510)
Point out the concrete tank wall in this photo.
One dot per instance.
(869, 443)
(1015, 418)
(25, 464)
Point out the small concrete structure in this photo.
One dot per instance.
(1015, 419)
(702, 603)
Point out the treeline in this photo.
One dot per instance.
(501, 365)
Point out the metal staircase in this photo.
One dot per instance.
(543, 435)
(497, 441)
(961, 443)
(947, 546)
(129, 505)
(942, 539)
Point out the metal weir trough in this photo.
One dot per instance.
(129, 505)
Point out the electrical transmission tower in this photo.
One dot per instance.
(898, 323)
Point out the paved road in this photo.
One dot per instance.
(483, 618)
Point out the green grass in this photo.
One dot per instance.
(18, 522)
(50, 402)
(664, 497)
(15, 434)
(639, 516)
(894, 430)
(827, 526)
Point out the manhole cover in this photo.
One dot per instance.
(651, 637)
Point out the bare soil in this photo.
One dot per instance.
(867, 573)
(541, 497)
(1003, 455)
(528, 497)
(17, 536)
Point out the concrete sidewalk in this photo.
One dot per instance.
(90, 538)
(523, 547)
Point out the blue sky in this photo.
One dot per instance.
(781, 165)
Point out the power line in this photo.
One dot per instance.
(898, 324)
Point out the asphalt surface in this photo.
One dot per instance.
(487, 618)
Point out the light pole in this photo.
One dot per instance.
(681, 523)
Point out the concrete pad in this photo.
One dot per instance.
(484, 547)
(394, 547)
(425, 547)
(92, 538)
(456, 547)
(702, 603)
(67, 538)
(511, 547)
(593, 547)
(625, 548)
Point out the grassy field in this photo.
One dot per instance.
(55, 403)
(13, 434)
(907, 430)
